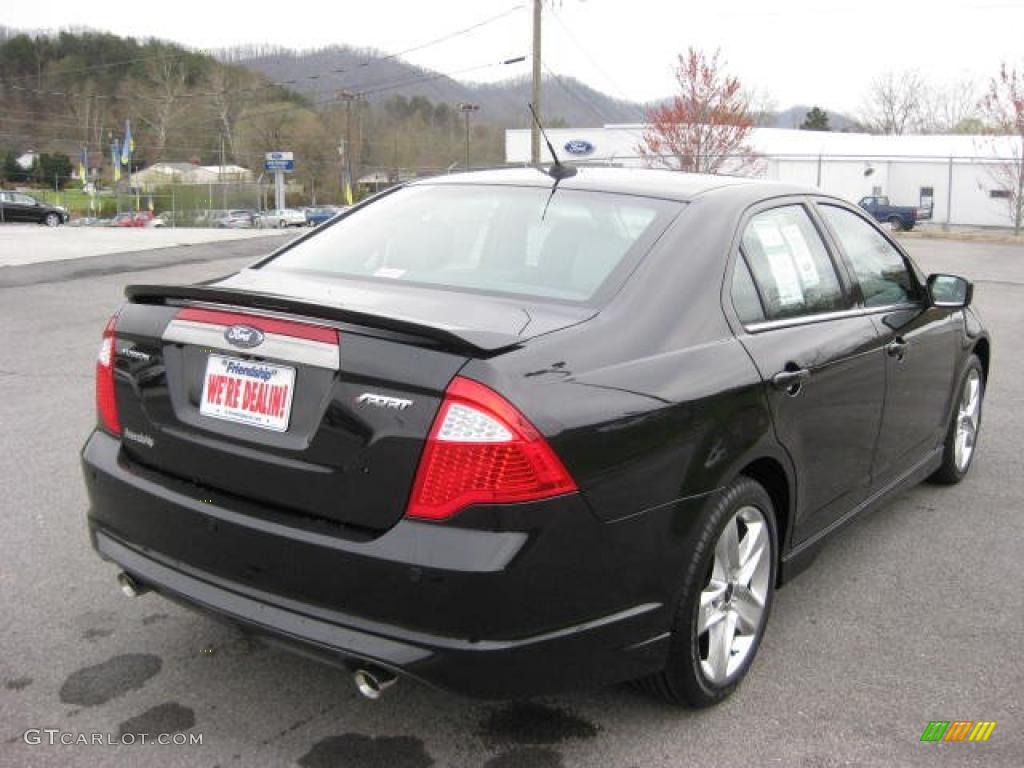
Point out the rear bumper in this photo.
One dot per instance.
(569, 603)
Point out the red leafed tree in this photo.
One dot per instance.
(1004, 108)
(704, 128)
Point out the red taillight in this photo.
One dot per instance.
(106, 402)
(481, 450)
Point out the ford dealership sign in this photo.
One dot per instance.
(579, 147)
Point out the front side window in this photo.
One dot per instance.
(791, 265)
(879, 268)
(500, 239)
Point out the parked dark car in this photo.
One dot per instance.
(898, 217)
(19, 207)
(512, 439)
(317, 216)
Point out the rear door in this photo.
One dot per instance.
(920, 342)
(820, 357)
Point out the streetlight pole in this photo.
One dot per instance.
(466, 108)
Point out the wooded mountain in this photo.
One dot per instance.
(320, 74)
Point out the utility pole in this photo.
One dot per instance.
(348, 97)
(466, 108)
(534, 130)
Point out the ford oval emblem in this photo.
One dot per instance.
(579, 147)
(244, 336)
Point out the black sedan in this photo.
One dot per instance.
(512, 437)
(19, 207)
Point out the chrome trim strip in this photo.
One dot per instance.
(275, 346)
(768, 325)
(789, 322)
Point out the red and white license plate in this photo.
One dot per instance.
(257, 394)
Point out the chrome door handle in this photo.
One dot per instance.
(896, 348)
(791, 380)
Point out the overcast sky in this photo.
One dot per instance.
(799, 51)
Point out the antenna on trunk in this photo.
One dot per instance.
(559, 170)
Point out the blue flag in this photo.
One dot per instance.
(115, 157)
(83, 164)
(128, 145)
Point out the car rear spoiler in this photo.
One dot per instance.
(459, 339)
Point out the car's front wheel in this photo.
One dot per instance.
(725, 600)
(895, 225)
(52, 220)
(962, 436)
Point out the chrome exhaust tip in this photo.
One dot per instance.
(129, 586)
(371, 683)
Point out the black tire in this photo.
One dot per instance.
(52, 220)
(896, 224)
(684, 681)
(952, 470)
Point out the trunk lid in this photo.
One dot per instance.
(325, 415)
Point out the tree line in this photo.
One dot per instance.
(77, 88)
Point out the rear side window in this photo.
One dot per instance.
(498, 239)
(744, 295)
(880, 269)
(791, 265)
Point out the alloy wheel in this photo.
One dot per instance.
(732, 603)
(967, 420)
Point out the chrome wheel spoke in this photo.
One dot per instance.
(753, 551)
(710, 612)
(727, 551)
(720, 640)
(749, 608)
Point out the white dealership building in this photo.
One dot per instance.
(961, 179)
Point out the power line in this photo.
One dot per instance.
(593, 61)
(367, 63)
(586, 103)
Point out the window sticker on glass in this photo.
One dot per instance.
(787, 280)
(780, 262)
(801, 255)
(768, 233)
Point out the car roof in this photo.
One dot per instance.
(672, 185)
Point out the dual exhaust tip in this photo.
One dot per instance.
(129, 586)
(371, 682)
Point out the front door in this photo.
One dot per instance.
(920, 343)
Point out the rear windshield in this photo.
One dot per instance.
(487, 238)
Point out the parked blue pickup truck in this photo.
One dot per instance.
(898, 217)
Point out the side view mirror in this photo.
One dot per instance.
(949, 291)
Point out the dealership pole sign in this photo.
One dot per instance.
(279, 161)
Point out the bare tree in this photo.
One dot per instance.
(228, 98)
(1004, 107)
(893, 104)
(704, 128)
(950, 108)
(162, 96)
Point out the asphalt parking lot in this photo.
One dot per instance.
(912, 614)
